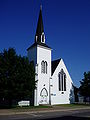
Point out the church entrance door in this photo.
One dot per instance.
(43, 95)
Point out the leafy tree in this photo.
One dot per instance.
(76, 93)
(85, 85)
(17, 77)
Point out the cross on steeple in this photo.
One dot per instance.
(39, 36)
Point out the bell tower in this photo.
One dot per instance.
(40, 54)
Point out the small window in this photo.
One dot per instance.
(36, 38)
(64, 82)
(43, 38)
(59, 83)
(42, 67)
(45, 67)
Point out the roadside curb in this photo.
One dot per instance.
(41, 111)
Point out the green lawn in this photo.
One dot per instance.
(61, 105)
(73, 105)
(32, 107)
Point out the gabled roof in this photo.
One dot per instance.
(54, 65)
(38, 43)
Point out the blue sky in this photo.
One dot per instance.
(66, 26)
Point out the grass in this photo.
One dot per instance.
(28, 108)
(17, 108)
(31, 107)
(42, 106)
(73, 105)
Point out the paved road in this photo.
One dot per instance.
(83, 114)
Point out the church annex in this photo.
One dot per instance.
(54, 84)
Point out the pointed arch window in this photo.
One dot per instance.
(62, 81)
(44, 67)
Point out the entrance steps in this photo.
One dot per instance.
(44, 104)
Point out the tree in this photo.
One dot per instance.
(85, 85)
(17, 77)
(76, 93)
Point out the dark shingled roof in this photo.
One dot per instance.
(54, 65)
(39, 43)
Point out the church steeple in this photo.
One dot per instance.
(39, 36)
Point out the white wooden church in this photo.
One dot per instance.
(54, 84)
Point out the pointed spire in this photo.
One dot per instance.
(40, 37)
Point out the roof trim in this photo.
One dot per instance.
(39, 44)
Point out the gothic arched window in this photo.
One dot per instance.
(44, 67)
(62, 81)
